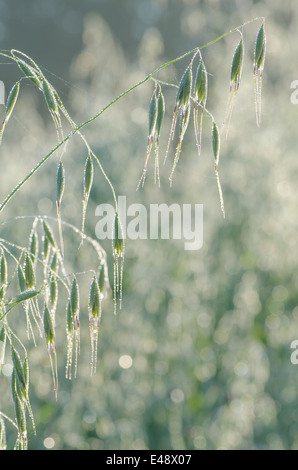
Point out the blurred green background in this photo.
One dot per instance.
(199, 356)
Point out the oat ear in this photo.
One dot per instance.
(152, 118)
(118, 254)
(216, 154)
(200, 100)
(258, 67)
(88, 181)
(235, 79)
(181, 105)
(10, 104)
(60, 185)
(94, 308)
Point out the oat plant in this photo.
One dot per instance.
(33, 275)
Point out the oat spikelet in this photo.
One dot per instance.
(30, 72)
(2, 346)
(51, 345)
(2, 434)
(181, 107)
(3, 266)
(216, 152)
(200, 99)
(88, 181)
(73, 327)
(151, 134)
(94, 309)
(118, 254)
(184, 120)
(50, 97)
(11, 102)
(159, 120)
(235, 79)
(70, 340)
(60, 185)
(258, 67)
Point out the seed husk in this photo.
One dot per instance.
(3, 445)
(152, 116)
(75, 298)
(26, 295)
(49, 234)
(258, 67)
(152, 121)
(88, 180)
(260, 48)
(53, 292)
(50, 97)
(21, 420)
(30, 73)
(29, 273)
(69, 318)
(88, 176)
(54, 263)
(201, 85)
(48, 326)
(3, 270)
(215, 142)
(50, 340)
(118, 253)
(18, 367)
(182, 103)
(160, 113)
(60, 183)
(216, 152)
(237, 63)
(118, 242)
(33, 246)
(94, 299)
(46, 248)
(2, 345)
(184, 89)
(11, 101)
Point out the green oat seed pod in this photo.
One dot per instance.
(60, 183)
(33, 246)
(3, 265)
(11, 101)
(160, 113)
(94, 299)
(260, 48)
(18, 367)
(29, 72)
(48, 327)
(26, 295)
(75, 298)
(215, 142)
(201, 85)
(50, 97)
(2, 345)
(88, 176)
(184, 89)
(118, 242)
(152, 116)
(49, 234)
(21, 278)
(29, 273)
(237, 64)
